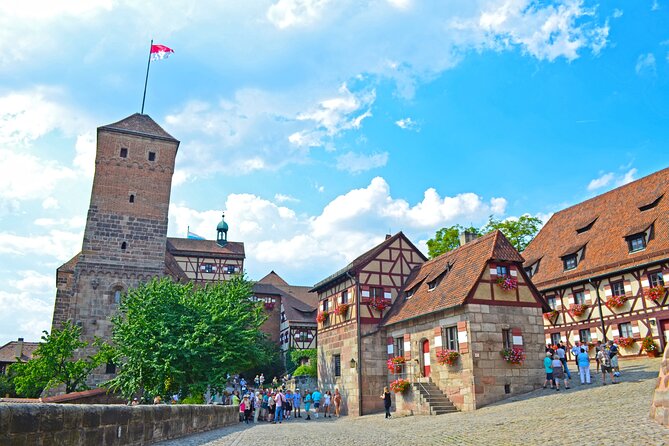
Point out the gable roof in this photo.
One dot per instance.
(187, 246)
(298, 312)
(8, 351)
(68, 267)
(362, 260)
(606, 251)
(302, 293)
(273, 278)
(141, 125)
(457, 272)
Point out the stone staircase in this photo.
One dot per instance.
(431, 394)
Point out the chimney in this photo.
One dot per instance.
(466, 237)
(19, 348)
(388, 236)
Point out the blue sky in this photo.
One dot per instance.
(321, 125)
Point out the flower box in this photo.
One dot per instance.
(648, 344)
(322, 316)
(578, 310)
(514, 355)
(616, 301)
(342, 309)
(551, 315)
(507, 283)
(655, 293)
(399, 385)
(269, 306)
(447, 357)
(626, 342)
(380, 304)
(395, 364)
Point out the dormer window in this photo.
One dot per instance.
(586, 226)
(637, 242)
(409, 294)
(502, 270)
(432, 285)
(651, 204)
(570, 262)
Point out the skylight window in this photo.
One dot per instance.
(570, 262)
(651, 205)
(586, 227)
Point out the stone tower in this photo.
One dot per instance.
(126, 228)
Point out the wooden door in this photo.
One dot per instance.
(426, 358)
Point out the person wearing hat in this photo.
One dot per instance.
(246, 403)
(548, 367)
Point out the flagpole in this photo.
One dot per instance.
(148, 65)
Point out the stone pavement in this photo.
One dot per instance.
(604, 415)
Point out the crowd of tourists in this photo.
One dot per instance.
(279, 405)
(557, 367)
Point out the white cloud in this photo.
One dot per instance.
(401, 4)
(645, 64)
(24, 176)
(358, 162)
(85, 153)
(289, 13)
(655, 6)
(628, 177)
(59, 244)
(612, 178)
(50, 203)
(72, 223)
(407, 124)
(617, 13)
(282, 198)
(601, 181)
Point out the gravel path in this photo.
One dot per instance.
(605, 415)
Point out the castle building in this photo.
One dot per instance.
(601, 266)
(401, 306)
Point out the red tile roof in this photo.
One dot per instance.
(8, 351)
(606, 250)
(362, 260)
(139, 125)
(187, 246)
(458, 271)
(302, 293)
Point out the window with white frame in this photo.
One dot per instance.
(555, 338)
(625, 330)
(551, 302)
(637, 242)
(502, 270)
(618, 288)
(579, 298)
(584, 335)
(655, 279)
(449, 338)
(398, 346)
(344, 297)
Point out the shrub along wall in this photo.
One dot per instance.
(58, 424)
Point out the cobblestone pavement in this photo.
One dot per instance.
(595, 414)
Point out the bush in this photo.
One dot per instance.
(190, 399)
(306, 370)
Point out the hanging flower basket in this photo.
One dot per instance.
(551, 315)
(399, 385)
(395, 364)
(342, 309)
(269, 306)
(656, 293)
(322, 317)
(648, 344)
(616, 301)
(447, 357)
(380, 304)
(513, 355)
(507, 283)
(626, 342)
(578, 310)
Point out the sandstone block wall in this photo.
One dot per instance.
(659, 408)
(72, 425)
(341, 340)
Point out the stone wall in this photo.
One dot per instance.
(72, 425)
(342, 341)
(659, 408)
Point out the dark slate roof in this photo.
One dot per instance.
(300, 292)
(8, 351)
(298, 312)
(186, 246)
(459, 270)
(362, 260)
(141, 125)
(617, 215)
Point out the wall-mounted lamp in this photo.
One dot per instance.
(353, 363)
(653, 322)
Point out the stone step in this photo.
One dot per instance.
(438, 403)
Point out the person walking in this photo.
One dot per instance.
(307, 404)
(605, 363)
(583, 360)
(316, 398)
(337, 402)
(327, 400)
(562, 354)
(387, 401)
(558, 372)
(548, 367)
(280, 403)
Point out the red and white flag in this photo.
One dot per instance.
(160, 52)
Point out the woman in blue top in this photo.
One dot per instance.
(583, 360)
(548, 366)
(307, 404)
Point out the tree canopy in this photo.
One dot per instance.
(177, 338)
(53, 364)
(520, 233)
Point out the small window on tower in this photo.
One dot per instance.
(124, 152)
(132, 198)
(124, 245)
(152, 156)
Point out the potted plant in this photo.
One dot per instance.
(399, 385)
(514, 355)
(395, 364)
(269, 306)
(507, 283)
(447, 357)
(322, 316)
(380, 303)
(626, 342)
(578, 310)
(616, 301)
(648, 344)
(342, 309)
(551, 315)
(655, 293)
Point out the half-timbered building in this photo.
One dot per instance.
(351, 304)
(474, 301)
(601, 266)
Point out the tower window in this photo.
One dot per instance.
(124, 152)
(124, 245)
(117, 297)
(152, 156)
(132, 198)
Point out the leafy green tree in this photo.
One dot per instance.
(447, 239)
(269, 362)
(176, 338)
(53, 362)
(520, 232)
(309, 368)
(7, 386)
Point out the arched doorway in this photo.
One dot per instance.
(425, 348)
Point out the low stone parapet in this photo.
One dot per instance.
(659, 408)
(74, 424)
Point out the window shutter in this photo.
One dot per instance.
(636, 334)
(463, 341)
(513, 272)
(493, 271)
(548, 340)
(588, 300)
(615, 333)
(438, 341)
(517, 338)
(571, 298)
(558, 303)
(593, 335)
(644, 282)
(628, 288)
(391, 347)
(607, 291)
(407, 346)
